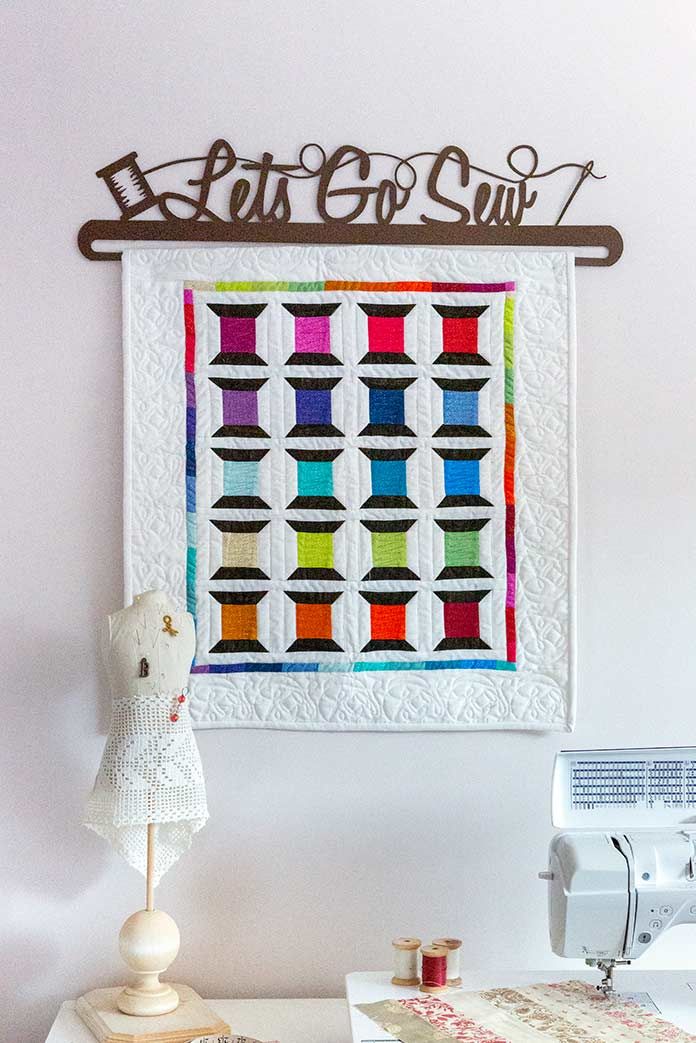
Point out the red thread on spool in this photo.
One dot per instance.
(434, 968)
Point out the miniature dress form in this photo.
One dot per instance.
(150, 770)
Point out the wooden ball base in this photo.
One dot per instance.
(433, 989)
(453, 983)
(409, 982)
(192, 1018)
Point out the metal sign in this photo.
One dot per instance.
(359, 196)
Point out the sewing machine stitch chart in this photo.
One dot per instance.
(364, 471)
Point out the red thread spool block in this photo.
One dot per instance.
(460, 335)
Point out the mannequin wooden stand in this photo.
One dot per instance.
(149, 942)
(149, 1011)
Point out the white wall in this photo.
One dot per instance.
(322, 847)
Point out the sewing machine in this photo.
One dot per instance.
(623, 870)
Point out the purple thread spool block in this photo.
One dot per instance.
(240, 407)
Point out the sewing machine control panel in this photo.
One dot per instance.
(661, 864)
(624, 788)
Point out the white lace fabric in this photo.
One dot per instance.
(150, 772)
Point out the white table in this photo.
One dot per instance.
(327, 1021)
(289, 1021)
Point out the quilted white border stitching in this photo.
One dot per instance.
(541, 695)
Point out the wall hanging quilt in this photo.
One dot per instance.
(354, 466)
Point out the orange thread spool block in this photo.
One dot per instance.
(239, 622)
(313, 621)
(388, 622)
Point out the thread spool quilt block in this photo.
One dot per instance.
(360, 485)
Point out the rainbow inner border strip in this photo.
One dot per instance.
(190, 380)
(509, 478)
(508, 288)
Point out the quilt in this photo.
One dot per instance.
(564, 1012)
(355, 467)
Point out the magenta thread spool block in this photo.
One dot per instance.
(312, 335)
(238, 334)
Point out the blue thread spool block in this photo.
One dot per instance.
(460, 408)
(462, 478)
(386, 406)
(388, 477)
(313, 407)
(314, 478)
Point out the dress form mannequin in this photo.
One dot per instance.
(149, 795)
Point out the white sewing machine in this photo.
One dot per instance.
(623, 871)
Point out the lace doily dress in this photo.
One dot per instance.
(150, 770)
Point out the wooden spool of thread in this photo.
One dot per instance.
(406, 961)
(453, 945)
(434, 968)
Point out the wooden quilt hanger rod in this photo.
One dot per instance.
(600, 237)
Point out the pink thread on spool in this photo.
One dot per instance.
(128, 185)
(433, 968)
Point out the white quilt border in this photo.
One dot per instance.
(536, 697)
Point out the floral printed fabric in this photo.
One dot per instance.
(426, 1020)
(444, 1016)
(567, 1012)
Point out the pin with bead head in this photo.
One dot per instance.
(179, 702)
